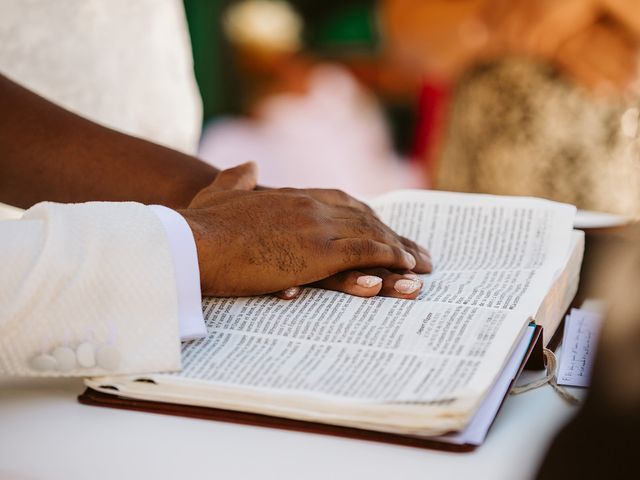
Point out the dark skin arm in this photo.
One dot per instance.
(48, 153)
(65, 158)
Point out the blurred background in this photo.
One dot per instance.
(302, 89)
(524, 97)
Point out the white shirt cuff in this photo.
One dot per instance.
(185, 265)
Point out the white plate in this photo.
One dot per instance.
(7, 212)
(590, 219)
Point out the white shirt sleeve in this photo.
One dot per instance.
(184, 257)
(88, 289)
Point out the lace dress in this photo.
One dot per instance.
(518, 128)
(124, 64)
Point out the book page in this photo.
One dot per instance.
(494, 261)
(334, 344)
(486, 251)
(476, 431)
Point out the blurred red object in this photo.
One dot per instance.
(433, 107)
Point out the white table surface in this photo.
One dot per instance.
(46, 434)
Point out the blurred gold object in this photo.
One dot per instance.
(629, 122)
(270, 25)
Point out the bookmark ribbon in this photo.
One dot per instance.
(551, 364)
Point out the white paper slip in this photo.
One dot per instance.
(580, 340)
(586, 219)
(7, 212)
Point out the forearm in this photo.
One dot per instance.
(626, 12)
(48, 153)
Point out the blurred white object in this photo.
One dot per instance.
(579, 344)
(590, 219)
(264, 24)
(126, 65)
(594, 305)
(8, 212)
(333, 137)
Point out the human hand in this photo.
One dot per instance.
(585, 39)
(440, 38)
(626, 12)
(538, 27)
(369, 282)
(594, 42)
(254, 242)
(601, 58)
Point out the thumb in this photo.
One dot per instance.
(242, 177)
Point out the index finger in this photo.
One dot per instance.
(338, 198)
(626, 12)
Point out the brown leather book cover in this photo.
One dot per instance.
(93, 397)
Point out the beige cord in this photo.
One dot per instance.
(551, 363)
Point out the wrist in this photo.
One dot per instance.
(202, 231)
(184, 188)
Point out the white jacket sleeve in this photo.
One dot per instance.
(87, 289)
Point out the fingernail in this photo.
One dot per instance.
(410, 259)
(291, 292)
(368, 281)
(407, 286)
(412, 276)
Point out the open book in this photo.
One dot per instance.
(420, 368)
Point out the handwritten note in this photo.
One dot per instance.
(581, 331)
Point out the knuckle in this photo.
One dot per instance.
(369, 248)
(354, 250)
(303, 202)
(367, 209)
(340, 195)
(299, 201)
(397, 254)
(361, 226)
(409, 243)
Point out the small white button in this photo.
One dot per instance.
(44, 363)
(108, 357)
(86, 355)
(66, 358)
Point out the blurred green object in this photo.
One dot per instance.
(333, 28)
(339, 27)
(211, 56)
